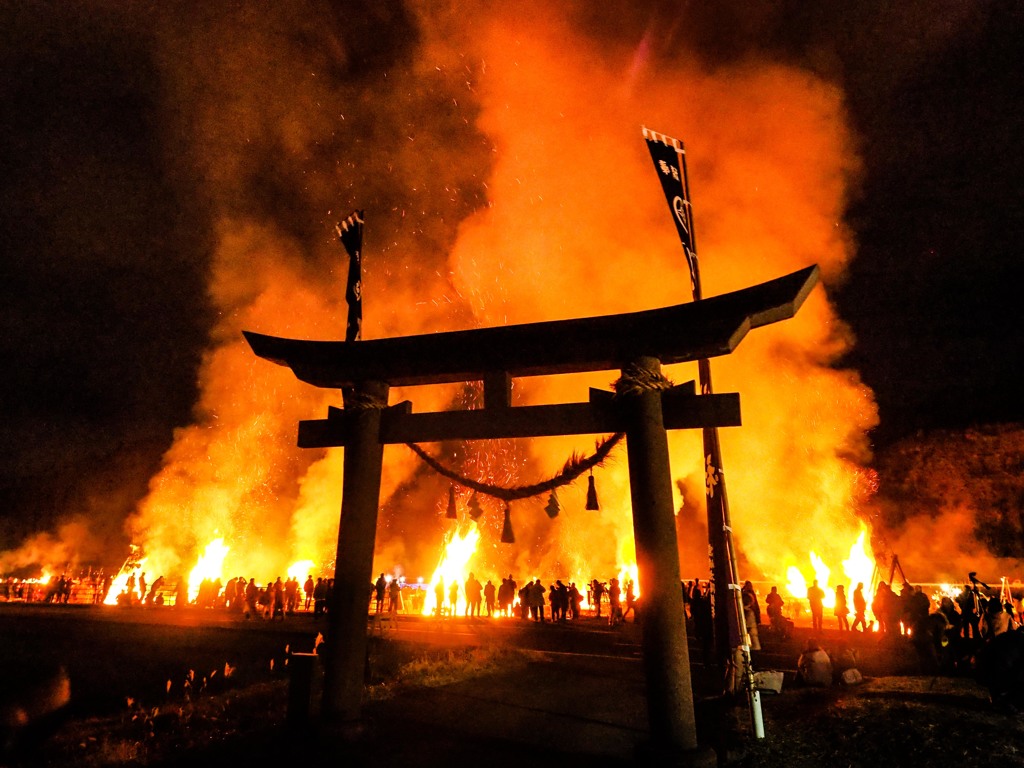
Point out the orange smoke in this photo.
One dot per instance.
(574, 225)
(577, 227)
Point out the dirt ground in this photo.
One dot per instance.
(465, 694)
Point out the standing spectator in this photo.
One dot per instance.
(319, 597)
(774, 603)
(970, 612)
(614, 602)
(630, 601)
(439, 596)
(379, 587)
(453, 598)
(489, 594)
(703, 621)
(575, 598)
(815, 598)
(842, 609)
(748, 588)
(307, 589)
(860, 607)
(291, 595)
(750, 618)
(277, 600)
(473, 590)
(394, 597)
(597, 588)
(252, 596)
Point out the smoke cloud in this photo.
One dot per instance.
(498, 156)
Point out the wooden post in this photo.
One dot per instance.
(345, 654)
(666, 656)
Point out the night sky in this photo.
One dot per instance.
(106, 226)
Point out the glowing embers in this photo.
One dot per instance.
(453, 568)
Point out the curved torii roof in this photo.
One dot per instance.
(681, 333)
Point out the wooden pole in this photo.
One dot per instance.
(345, 654)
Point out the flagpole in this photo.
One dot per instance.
(725, 572)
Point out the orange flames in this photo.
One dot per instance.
(459, 548)
(858, 568)
(573, 224)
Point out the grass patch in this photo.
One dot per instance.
(142, 735)
(448, 667)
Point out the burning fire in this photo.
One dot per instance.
(210, 567)
(858, 568)
(119, 584)
(301, 569)
(459, 549)
(515, 232)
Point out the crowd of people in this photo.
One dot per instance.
(559, 601)
(972, 616)
(271, 601)
(87, 586)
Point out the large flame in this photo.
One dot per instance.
(459, 548)
(857, 568)
(210, 567)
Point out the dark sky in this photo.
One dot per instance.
(106, 231)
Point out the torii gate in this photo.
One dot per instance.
(635, 343)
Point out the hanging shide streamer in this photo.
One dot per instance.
(553, 507)
(592, 504)
(473, 506)
(452, 513)
(507, 536)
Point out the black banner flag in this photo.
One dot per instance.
(670, 162)
(669, 158)
(350, 232)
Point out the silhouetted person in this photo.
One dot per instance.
(614, 602)
(379, 586)
(748, 588)
(157, 585)
(453, 597)
(575, 598)
(319, 597)
(439, 596)
(815, 598)
(277, 600)
(597, 588)
(860, 607)
(473, 590)
(774, 602)
(703, 623)
(630, 601)
(307, 590)
(489, 595)
(252, 596)
(394, 597)
(842, 609)
(970, 612)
